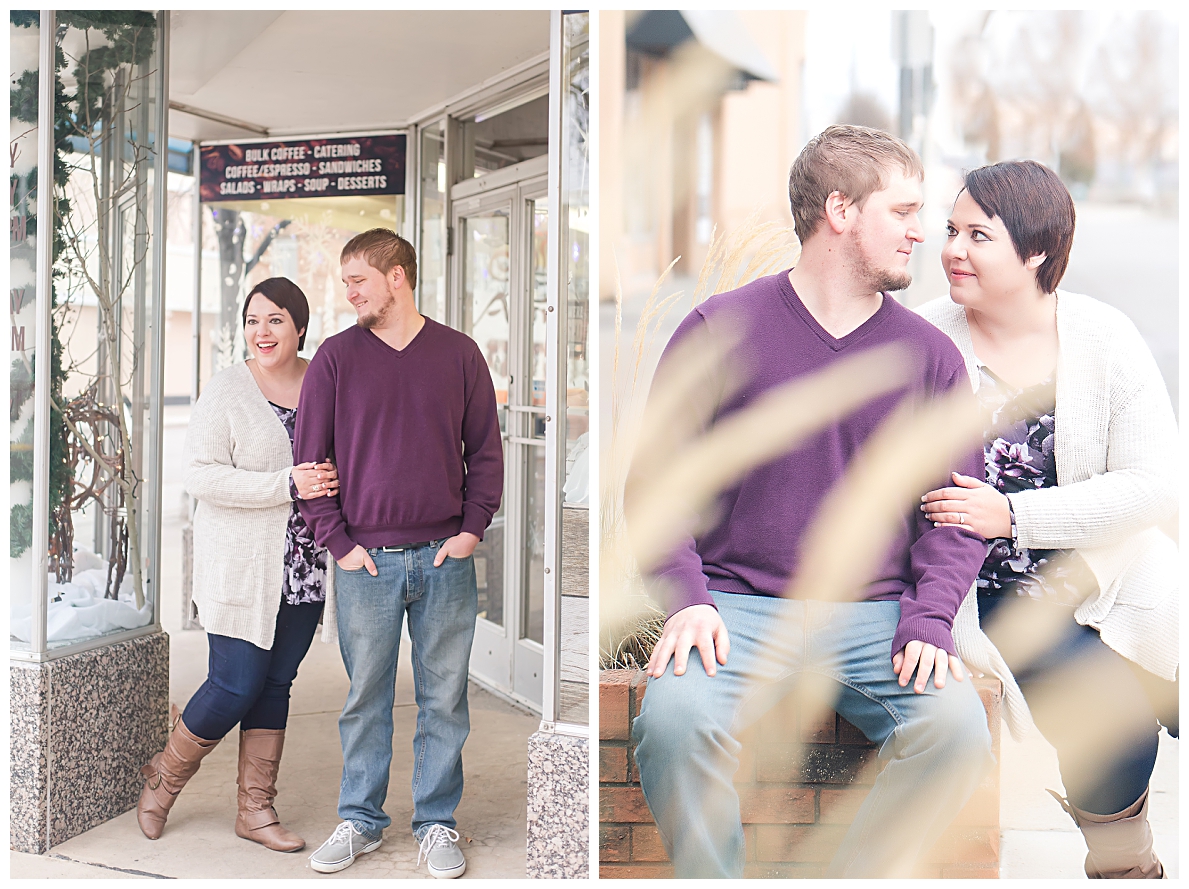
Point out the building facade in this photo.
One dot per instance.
(274, 156)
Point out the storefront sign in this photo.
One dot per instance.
(303, 168)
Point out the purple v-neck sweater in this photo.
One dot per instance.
(414, 434)
(754, 544)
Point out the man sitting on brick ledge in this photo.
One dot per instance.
(855, 196)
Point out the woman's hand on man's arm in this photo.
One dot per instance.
(973, 504)
(315, 480)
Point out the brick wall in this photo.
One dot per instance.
(797, 799)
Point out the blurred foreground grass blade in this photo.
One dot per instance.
(857, 522)
(663, 505)
(648, 318)
(910, 453)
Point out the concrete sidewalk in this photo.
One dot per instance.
(200, 842)
(1039, 841)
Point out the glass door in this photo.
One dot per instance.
(499, 300)
(528, 656)
(485, 318)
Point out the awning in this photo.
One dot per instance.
(245, 73)
(657, 32)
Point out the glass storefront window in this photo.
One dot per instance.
(575, 262)
(298, 238)
(22, 271)
(431, 258)
(501, 140)
(99, 381)
(572, 700)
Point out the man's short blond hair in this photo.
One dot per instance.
(854, 161)
(384, 250)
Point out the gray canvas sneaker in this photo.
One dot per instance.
(340, 850)
(440, 851)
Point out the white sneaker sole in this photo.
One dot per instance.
(447, 873)
(331, 867)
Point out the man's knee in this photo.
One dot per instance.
(956, 723)
(952, 725)
(678, 719)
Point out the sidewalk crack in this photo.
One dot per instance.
(122, 870)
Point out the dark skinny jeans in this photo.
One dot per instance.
(250, 685)
(1099, 710)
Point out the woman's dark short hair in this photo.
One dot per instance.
(1036, 209)
(289, 297)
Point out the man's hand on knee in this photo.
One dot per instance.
(698, 626)
(929, 659)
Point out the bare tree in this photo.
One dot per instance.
(105, 243)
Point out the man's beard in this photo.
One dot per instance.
(378, 317)
(887, 280)
(877, 280)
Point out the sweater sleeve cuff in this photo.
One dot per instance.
(692, 600)
(340, 544)
(474, 521)
(929, 630)
(680, 591)
(1022, 521)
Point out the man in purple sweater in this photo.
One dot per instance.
(855, 196)
(407, 409)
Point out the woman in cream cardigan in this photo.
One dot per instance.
(1077, 599)
(260, 580)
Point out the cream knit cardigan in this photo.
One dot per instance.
(238, 464)
(1116, 446)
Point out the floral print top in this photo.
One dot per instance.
(304, 577)
(1020, 456)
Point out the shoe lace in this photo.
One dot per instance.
(342, 833)
(437, 835)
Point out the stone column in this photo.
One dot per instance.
(558, 806)
(82, 726)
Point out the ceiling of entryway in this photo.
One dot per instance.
(322, 72)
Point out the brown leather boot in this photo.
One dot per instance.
(1120, 845)
(259, 762)
(165, 776)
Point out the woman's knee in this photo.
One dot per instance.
(275, 690)
(238, 691)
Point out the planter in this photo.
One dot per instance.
(797, 798)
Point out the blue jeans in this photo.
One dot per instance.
(441, 605)
(1099, 710)
(250, 685)
(937, 742)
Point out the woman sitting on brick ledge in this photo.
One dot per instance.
(1078, 594)
(260, 580)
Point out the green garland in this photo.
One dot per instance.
(131, 36)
